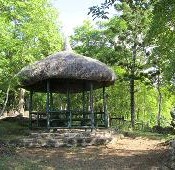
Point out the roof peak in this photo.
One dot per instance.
(67, 46)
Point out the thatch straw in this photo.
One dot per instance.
(66, 66)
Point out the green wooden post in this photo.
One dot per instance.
(83, 100)
(105, 109)
(48, 104)
(30, 108)
(51, 101)
(37, 119)
(92, 106)
(68, 106)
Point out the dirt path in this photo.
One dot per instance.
(124, 154)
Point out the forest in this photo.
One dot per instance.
(136, 39)
(137, 42)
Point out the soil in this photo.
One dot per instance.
(123, 154)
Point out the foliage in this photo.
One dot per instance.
(161, 33)
(124, 37)
(100, 11)
(114, 42)
(29, 32)
(91, 41)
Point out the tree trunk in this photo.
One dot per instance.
(21, 101)
(5, 102)
(132, 102)
(132, 89)
(159, 102)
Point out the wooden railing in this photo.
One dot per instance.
(62, 119)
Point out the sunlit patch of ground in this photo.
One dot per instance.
(126, 154)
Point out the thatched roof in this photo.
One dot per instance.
(65, 68)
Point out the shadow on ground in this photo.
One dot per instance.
(99, 158)
(79, 158)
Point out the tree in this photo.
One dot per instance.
(29, 32)
(161, 34)
(96, 40)
(128, 29)
(91, 40)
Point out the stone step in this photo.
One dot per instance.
(68, 138)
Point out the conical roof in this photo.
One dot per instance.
(64, 69)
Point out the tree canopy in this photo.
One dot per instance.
(126, 42)
(30, 30)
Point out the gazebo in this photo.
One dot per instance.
(67, 73)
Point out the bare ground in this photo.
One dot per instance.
(124, 154)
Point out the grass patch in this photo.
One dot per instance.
(13, 128)
(149, 135)
(20, 163)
